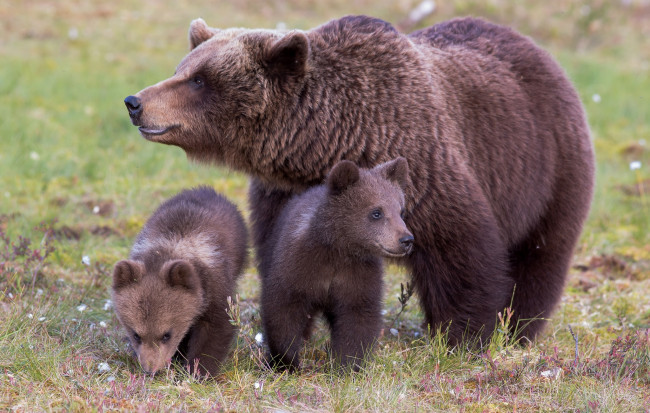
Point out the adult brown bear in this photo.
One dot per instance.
(501, 162)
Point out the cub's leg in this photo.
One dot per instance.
(355, 320)
(285, 321)
(210, 340)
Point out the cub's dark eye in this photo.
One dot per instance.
(376, 214)
(402, 214)
(137, 338)
(166, 337)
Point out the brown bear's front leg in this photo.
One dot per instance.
(265, 204)
(463, 285)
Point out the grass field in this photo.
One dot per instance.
(77, 183)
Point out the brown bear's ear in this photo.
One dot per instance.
(181, 273)
(199, 32)
(344, 174)
(126, 272)
(287, 56)
(396, 170)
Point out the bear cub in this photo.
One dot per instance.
(171, 294)
(326, 257)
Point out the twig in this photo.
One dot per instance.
(575, 338)
(403, 298)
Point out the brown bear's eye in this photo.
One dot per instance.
(166, 337)
(376, 214)
(137, 338)
(402, 214)
(197, 81)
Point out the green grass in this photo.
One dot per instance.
(70, 157)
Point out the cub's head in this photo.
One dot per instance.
(156, 309)
(221, 89)
(366, 208)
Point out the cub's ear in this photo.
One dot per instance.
(344, 174)
(127, 272)
(199, 33)
(287, 57)
(180, 273)
(396, 170)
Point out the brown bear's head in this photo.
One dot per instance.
(220, 90)
(366, 208)
(156, 309)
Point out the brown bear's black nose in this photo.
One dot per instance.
(406, 242)
(133, 105)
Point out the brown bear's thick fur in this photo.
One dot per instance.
(325, 258)
(496, 138)
(171, 295)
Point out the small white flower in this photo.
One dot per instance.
(39, 291)
(85, 260)
(30, 316)
(281, 26)
(7, 194)
(103, 367)
(108, 305)
(96, 209)
(10, 295)
(73, 33)
(553, 373)
(256, 385)
(110, 379)
(384, 312)
(102, 324)
(416, 334)
(41, 318)
(422, 10)
(259, 338)
(34, 156)
(635, 165)
(642, 142)
(81, 307)
(596, 98)
(394, 331)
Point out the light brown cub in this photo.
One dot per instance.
(171, 295)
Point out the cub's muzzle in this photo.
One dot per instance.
(406, 243)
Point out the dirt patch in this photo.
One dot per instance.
(609, 266)
(75, 233)
(638, 189)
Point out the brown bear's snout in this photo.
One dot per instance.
(406, 243)
(134, 106)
